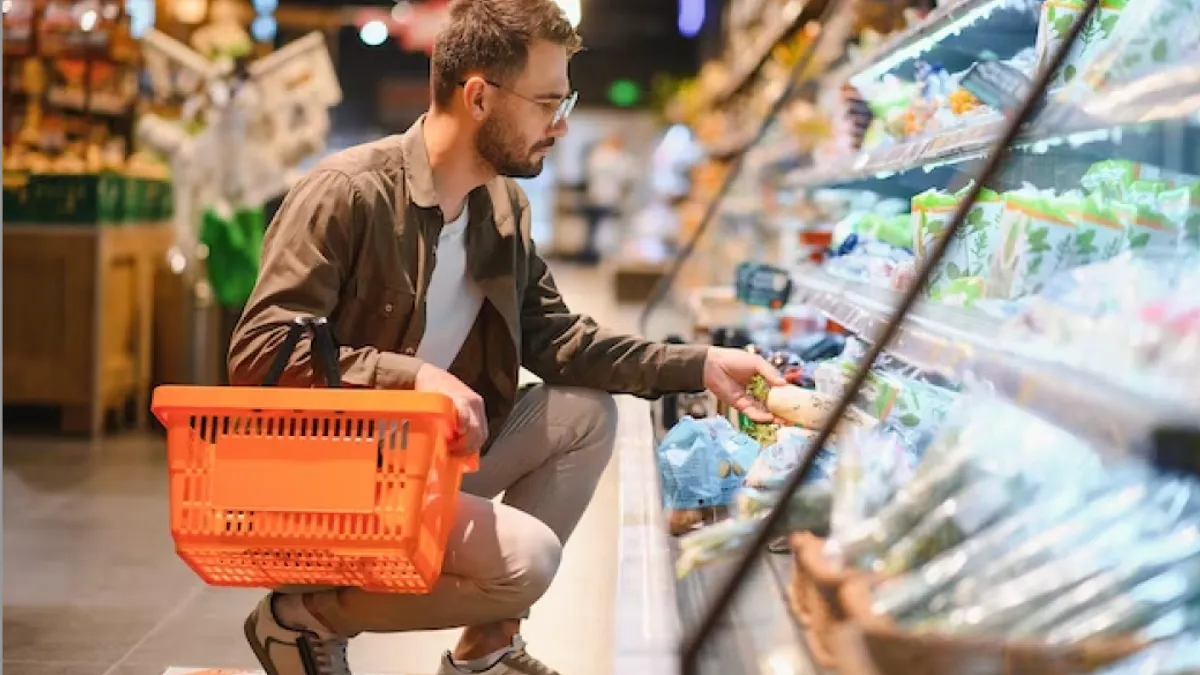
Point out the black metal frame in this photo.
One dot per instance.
(694, 643)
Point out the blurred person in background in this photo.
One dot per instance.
(417, 248)
(610, 173)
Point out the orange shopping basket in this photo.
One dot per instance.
(276, 486)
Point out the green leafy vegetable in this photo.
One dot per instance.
(759, 388)
(764, 434)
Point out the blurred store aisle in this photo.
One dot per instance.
(92, 585)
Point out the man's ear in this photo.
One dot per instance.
(475, 97)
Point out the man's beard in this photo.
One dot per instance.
(501, 147)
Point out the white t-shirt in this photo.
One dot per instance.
(453, 300)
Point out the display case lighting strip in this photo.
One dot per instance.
(943, 23)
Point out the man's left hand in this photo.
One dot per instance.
(727, 374)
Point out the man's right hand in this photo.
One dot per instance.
(472, 416)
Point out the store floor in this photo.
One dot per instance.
(92, 585)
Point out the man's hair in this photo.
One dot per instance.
(492, 37)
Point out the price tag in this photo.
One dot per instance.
(998, 85)
(1176, 448)
(762, 285)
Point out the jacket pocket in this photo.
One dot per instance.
(376, 313)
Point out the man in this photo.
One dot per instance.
(609, 175)
(417, 248)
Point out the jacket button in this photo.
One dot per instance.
(387, 309)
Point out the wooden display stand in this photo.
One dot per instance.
(78, 318)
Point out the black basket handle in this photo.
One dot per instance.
(324, 350)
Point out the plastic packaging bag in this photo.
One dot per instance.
(908, 595)
(702, 462)
(1006, 603)
(994, 441)
(782, 457)
(1098, 516)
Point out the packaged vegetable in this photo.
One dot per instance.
(1181, 207)
(1100, 228)
(1159, 607)
(780, 458)
(702, 462)
(907, 596)
(1036, 241)
(1100, 514)
(968, 256)
(1181, 546)
(1151, 230)
(804, 407)
(1007, 603)
(1055, 24)
(871, 467)
(1009, 598)
(974, 507)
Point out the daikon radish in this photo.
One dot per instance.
(798, 406)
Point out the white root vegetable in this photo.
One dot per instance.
(809, 409)
(799, 406)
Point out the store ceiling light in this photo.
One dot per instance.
(373, 33)
(691, 17)
(264, 28)
(87, 20)
(7, 5)
(573, 9)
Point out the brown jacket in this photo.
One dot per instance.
(354, 241)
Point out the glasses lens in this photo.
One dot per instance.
(565, 108)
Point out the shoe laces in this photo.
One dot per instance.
(329, 656)
(520, 661)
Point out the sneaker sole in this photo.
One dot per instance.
(260, 653)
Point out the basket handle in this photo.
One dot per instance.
(324, 350)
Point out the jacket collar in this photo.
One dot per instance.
(418, 178)
(418, 174)
(490, 230)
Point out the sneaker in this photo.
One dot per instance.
(512, 660)
(284, 651)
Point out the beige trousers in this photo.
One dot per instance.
(501, 557)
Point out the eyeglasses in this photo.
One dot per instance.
(559, 110)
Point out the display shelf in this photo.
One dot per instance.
(1125, 121)
(653, 608)
(965, 345)
(747, 66)
(759, 635)
(948, 147)
(954, 35)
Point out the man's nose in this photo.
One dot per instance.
(559, 129)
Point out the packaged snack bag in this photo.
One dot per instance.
(1037, 239)
(1100, 228)
(1054, 25)
(969, 255)
(1181, 207)
(1108, 178)
(1157, 34)
(1151, 229)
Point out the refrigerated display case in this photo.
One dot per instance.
(1059, 328)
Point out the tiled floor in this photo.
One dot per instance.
(92, 585)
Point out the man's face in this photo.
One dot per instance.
(519, 129)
